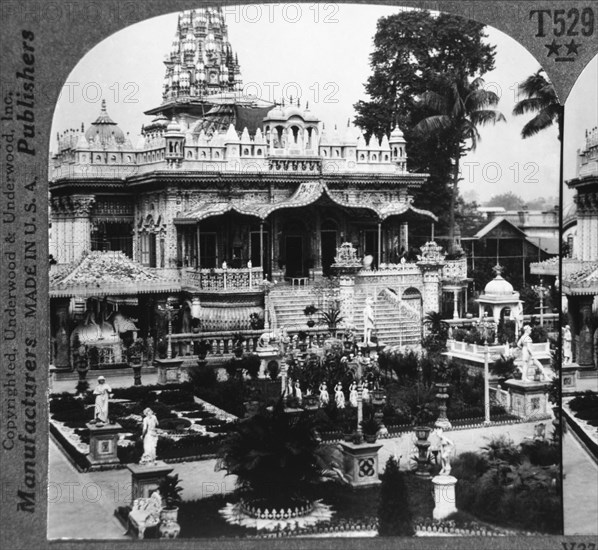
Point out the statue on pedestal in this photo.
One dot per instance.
(566, 345)
(353, 394)
(150, 437)
(528, 360)
(102, 392)
(446, 449)
(368, 321)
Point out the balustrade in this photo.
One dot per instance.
(224, 279)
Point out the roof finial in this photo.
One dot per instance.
(103, 105)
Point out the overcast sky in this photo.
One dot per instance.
(322, 52)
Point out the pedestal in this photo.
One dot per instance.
(361, 463)
(169, 370)
(103, 439)
(529, 399)
(444, 496)
(266, 355)
(146, 477)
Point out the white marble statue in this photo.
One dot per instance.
(324, 395)
(339, 396)
(446, 449)
(150, 437)
(368, 320)
(527, 357)
(353, 394)
(102, 392)
(298, 392)
(567, 345)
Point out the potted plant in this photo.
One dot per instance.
(332, 319)
(256, 322)
(309, 311)
(195, 325)
(135, 352)
(238, 341)
(302, 335)
(370, 427)
(170, 491)
(202, 348)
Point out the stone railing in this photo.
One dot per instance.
(245, 279)
(222, 342)
(540, 349)
(404, 268)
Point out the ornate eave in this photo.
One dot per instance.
(307, 193)
(583, 282)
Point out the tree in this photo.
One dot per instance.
(459, 108)
(403, 66)
(540, 98)
(509, 201)
(394, 516)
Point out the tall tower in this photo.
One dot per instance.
(201, 61)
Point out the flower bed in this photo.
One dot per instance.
(186, 429)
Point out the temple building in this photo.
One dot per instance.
(580, 268)
(232, 208)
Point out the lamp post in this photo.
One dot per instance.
(168, 308)
(486, 324)
(541, 291)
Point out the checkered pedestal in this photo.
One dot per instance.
(169, 371)
(146, 477)
(361, 463)
(529, 399)
(103, 439)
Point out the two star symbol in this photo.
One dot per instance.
(554, 47)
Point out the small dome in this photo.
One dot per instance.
(160, 120)
(292, 110)
(104, 129)
(499, 286)
(397, 135)
(275, 114)
(173, 126)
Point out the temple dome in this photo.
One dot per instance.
(499, 286)
(104, 129)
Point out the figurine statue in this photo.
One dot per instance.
(368, 320)
(339, 396)
(353, 394)
(365, 392)
(527, 356)
(150, 437)
(102, 392)
(446, 449)
(324, 396)
(566, 345)
(298, 392)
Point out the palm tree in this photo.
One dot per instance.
(540, 98)
(459, 109)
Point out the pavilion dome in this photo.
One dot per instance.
(104, 129)
(499, 287)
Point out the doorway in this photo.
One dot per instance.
(294, 256)
(328, 246)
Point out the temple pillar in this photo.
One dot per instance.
(585, 355)
(80, 225)
(404, 237)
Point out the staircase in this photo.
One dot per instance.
(397, 323)
(288, 303)
(394, 321)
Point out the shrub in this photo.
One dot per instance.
(202, 376)
(171, 397)
(394, 516)
(541, 453)
(251, 363)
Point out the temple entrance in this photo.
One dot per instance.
(207, 250)
(294, 256)
(256, 255)
(328, 246)
(371, 245)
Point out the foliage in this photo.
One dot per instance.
(170, 490)
(332, 318)
(370, 425)
(273, 455)
(515, 486)
(503, 367)
(509, 201)
(202, 348)
(310, 310)
(273, 370)
(540, 98)
(394, 515)
(506, 331)
(402, 69)
(202, 376)
(251, 363)
(436, 340)
(256, 321)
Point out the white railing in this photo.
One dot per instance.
(224, 279)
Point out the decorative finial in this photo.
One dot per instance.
(103, 105)
(497, 270)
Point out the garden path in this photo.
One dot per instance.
(580, 488)
(92, 497)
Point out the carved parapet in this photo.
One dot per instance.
(431, 256)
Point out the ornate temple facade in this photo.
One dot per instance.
(232, 204)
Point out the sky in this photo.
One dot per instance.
(321, 52)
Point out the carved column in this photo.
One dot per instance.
(347, 299)
(81, 206)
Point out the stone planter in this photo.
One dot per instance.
(311, 323)
(169, 528)
(442, 421)
(370, 438)
(423, 467)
